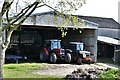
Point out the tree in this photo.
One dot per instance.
(10, 23)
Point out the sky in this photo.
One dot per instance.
(98, 8)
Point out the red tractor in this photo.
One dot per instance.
(78, 54)
(53, 52)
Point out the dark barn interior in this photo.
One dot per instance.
(29, 41)
(105, 50)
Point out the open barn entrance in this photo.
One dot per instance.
(108, 48)
(29, 40)
(105, 50)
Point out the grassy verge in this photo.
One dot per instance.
(24, 70)
(110, 74)
(107, 60)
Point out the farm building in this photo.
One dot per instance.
(108, 37)
(102, 40)
(28, 40)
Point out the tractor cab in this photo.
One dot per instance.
(52, 44)
(77, 46)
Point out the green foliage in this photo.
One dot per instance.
(110, 74)
(69, 6)
(63, 21)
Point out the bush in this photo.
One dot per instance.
(113, 74)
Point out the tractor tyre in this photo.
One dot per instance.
(53, 58)
(68, 58)
(43, 56)
(79, 61)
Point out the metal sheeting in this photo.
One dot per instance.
(109, 40)
(52, 20)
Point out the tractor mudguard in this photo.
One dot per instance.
(46, 51)
(68, 50)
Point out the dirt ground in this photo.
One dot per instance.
(62, 69)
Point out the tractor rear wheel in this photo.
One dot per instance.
(79, 60)
(68, 58)
(53, 58)
(42, 53)
(43, 56)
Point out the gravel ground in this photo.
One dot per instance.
(63, 69)
(109, 65)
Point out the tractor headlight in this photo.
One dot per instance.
(84, 55)
(62, 52)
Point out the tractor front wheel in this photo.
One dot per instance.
(53, 58)
(68, 58)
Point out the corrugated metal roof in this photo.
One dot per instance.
(47, 19)
(55, 13)
(108, 40)
(103, 22)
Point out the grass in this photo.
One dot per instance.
(107, 60)
(24, 70)
(110, 74)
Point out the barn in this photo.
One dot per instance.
(28, 40)
(108, 37)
